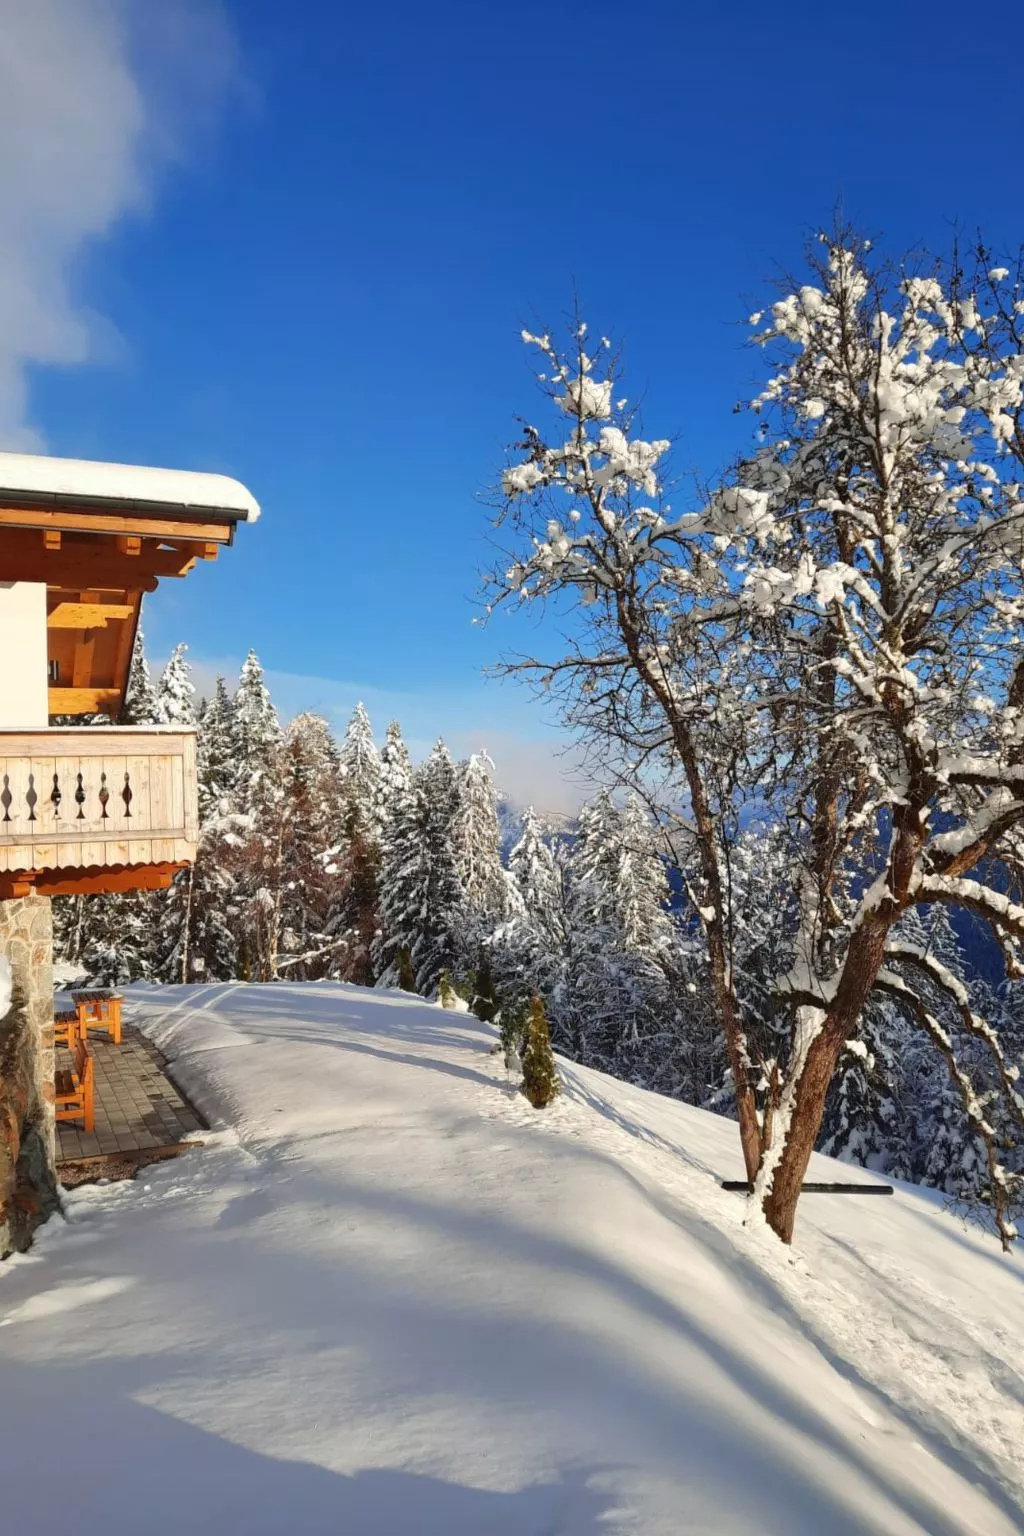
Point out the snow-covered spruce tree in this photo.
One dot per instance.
(309, 812)
(360, 766)
(115, 938)
(354, 917)
(198, 930)
(395, 773)
(421, 908)
(140, 703)
(441, 915)
(170, 912)
(936, 1133)
(259, 857)
(560, 944)
(399, 861)
(540, 1075)
(527, 951)
(620, 874)
(595, 863)
(760, 917)
(477, 837)
(536, 879)
(838, 632)
(642, 884)
(176, 692)
(217, 754)
(610, 1004)
(257, 737)
(866, 1115)
(192, 923)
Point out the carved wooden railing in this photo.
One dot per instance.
(90, 797)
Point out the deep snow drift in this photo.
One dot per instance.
(389, 1297)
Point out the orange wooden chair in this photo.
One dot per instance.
(65, 1028)
(74, 1089)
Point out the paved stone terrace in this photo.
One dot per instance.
(138, 1108)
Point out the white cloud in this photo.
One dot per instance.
(94, 96)
(546, 772)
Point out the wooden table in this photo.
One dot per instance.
(98, 1008)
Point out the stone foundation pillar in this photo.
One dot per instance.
(28, 1186)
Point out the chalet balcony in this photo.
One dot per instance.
(95, 808)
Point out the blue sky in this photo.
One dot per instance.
(297, 243)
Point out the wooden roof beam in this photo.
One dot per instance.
(88, 615)
(84, 701)
(80, 559)
(123, 524)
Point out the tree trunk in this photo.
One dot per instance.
(725, 996)
(707, 848)
(804, 1127)
(188, 926)
(863, 963)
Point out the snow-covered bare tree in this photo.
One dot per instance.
(836, 632)
(644, 677)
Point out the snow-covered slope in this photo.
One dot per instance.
(389, 1297)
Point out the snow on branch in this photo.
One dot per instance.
(929, 965)
(1003, 1185)
(1003, 915)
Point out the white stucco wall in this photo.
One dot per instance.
(23, 653)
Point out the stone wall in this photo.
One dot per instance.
(28, 1188)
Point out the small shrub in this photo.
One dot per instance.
(540, 1075)
(484, 1002)
(446, 993)
(511, 1022)
(406, 974)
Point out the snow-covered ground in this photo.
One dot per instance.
(389, 1297)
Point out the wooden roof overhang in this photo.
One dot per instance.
(97, 556)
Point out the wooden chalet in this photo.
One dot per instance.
(87, 805)
(96, 808)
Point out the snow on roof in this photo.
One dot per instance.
(32, 479)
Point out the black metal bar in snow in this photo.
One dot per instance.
(741, 1186)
